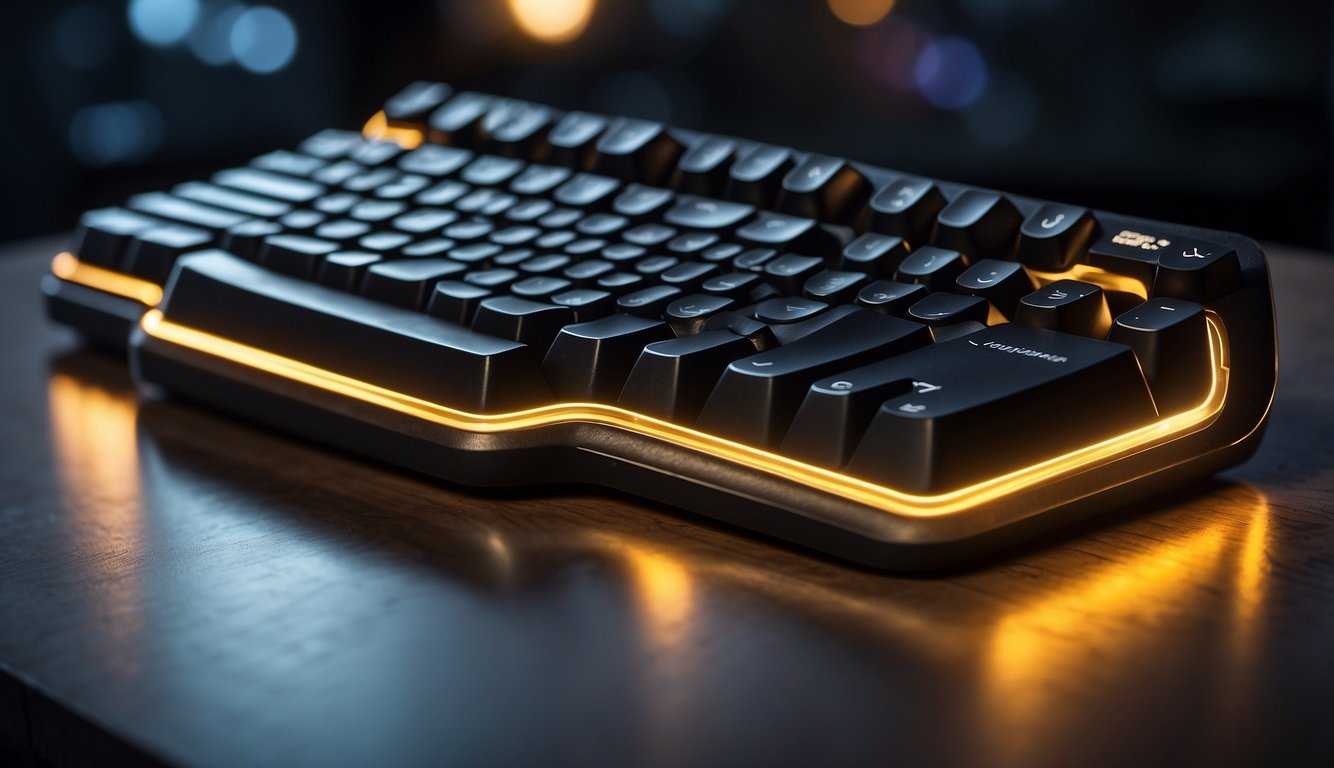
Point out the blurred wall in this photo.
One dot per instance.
(1215, 113)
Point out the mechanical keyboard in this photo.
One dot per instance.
(894, 369)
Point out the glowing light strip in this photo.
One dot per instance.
(378, 129)
(876, 496)
(67, 266)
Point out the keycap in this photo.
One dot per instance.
(756, 397)
(906, 207)
(385, 345)
(1055, 237)
(641, 202)
(374, 153)
(891, 297)
(688, 313)
(533, 323)
(1171, 340)
(823, 187)
(572, 138)
(1069, 306)
(983, 225)
(434, 160)
(693, 212)
(587, 303)
(995, 401)
(456, 121)
(182, 211)
(703, 167)
(152, 253)
(636, 150)
(589, 362)
(516, 128)
(411, 106)
(1195, 270)
(295, 255)
(936, 268)
(290, 163)
(343, 269)
(874, 254)
(221, 197)
(539, 179)
(673, 379)
(330, 144)
(648, 302)
(586, 190)
(733, 284)
(789, 272)
(687, 274)
(456, 301)
(755, 177)
(490, 170)
(788, 309)
(691, 242)
(245, 238)
(285, 188)
(833, 286)
(941, 309)
(102, 234)
(1003, 283)
(301, 221)
(1128, 252)
(407, 283)
(793, 233)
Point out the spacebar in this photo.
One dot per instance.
(394, 348)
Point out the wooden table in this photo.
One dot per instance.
(178, 586)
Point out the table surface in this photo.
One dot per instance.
(179, 586)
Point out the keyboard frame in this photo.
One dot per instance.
(679, 470)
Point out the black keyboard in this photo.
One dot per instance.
(899, 370)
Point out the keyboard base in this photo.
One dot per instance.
(103, 319)
(690, 480)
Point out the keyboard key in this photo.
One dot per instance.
(539, 179)
(1196, 270)
(588, 304)
(490, 170)
(103, 234)
(403, 187)
(516, 129)
(672, 379)
(456, 121)
(601, 224)
(374, 153)
(456, 301)
(648, 302)
(825, 188)
(586, 190)
(419, 221)
(376, 211)
(289, 163)
(788, 309)
(1127, 252)
(703, 167)
(330, 144)
(755, 177)
(221, 197)
(353, 336)
(343, 269)
(1069, 306)
(384, 243)
(942, 309)
(295, 255)
(1003, 283)
(407, 283)
(640, 202)
(687, 274)
(691, 242)
(245, 238)
(756, 397)
(1026, 389)
(704, 213)
(573, 137)
(792, 233)
(834, 287)
(981, 224)
(336, 204)
(906, 207)
(338, 173)
(875, 254)
(688, 313)
(188, 212)
(533, 323)
(343, 231)
(621, 283)
(732, 284)
(589, 362)
(637, 150)
(411, 106)
(1055, 237)
(891, 297)
(255, 181)
(936, 268)
(301, 221)
(152, 253)
(1171, 340)
(443, 194)
(649, 234)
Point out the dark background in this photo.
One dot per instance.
(1211, 113)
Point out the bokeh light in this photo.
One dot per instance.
(211, 39)
(263, 39)
(115, 132)
(552, 21)
(860, 13)
(163, 23)
(950, 73)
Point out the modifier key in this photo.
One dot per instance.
(995, 401)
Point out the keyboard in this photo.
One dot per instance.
(897, 370)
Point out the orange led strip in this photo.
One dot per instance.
(870, 494)
(67, 266)
(378, 129)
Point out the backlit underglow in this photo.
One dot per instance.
(870, 494)
(552, 21)
(68, 267)
(860, 13)
(378, 129)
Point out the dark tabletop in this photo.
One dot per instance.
(179, 586)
